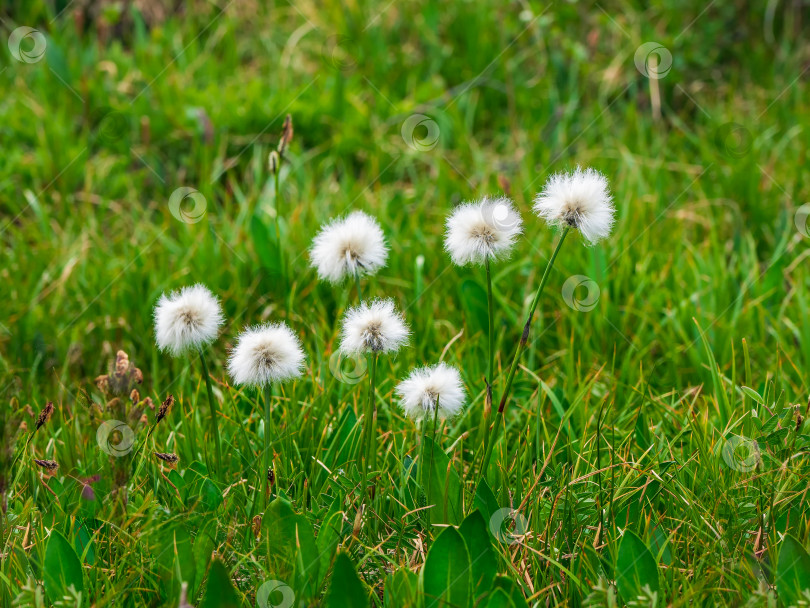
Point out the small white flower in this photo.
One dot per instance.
(580, 199)
(348, 246)
(481, 230)
(264, 354)
(187, 319)
(376, 327)
(427, 386)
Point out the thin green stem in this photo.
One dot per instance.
(599, 469)
(368, 425)
(277, 192)
(524, 339)
(432, 455)
(491, 310)
(268, 394)
(212, 404)
(423, 468)
(357, 285)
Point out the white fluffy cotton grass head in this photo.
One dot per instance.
(481, 231)
(187, 320)
(373, 327)
(266, 354)
(580, 199)
(349, 246)
(426, 387)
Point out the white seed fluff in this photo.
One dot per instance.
(347, 246)
(481, 230)
(580, 199)
(264, 354)
(425, 387)
(187, 319)
(376, 327)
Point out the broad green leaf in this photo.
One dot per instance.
(777, 438)
(308, 558)
(475, 532)
(176, 560)
(793, 572)
(179, 483)
(444, 488)
(346, 590)
(327, 542)
(635, 567)
(210, 495)
(62, 567)
(401, 589)
(84, 544)
(511, 589)
(485, 500)
(499, 599)
(770, 425)
(204, 545)
(753, 394)
(219, 591)
(445, 576)
(290, 545)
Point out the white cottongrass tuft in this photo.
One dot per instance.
(427, 386)
(483, 230)
(347, 246)
(264, 354)
(187, 319)
(580, 199)
(376, 327)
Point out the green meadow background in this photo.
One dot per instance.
(621, 440)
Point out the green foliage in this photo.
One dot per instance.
(692, 363)
(446, 576)
(219, 591)
(793, 573)
(636, 568)
(62, 569)
(346, 589)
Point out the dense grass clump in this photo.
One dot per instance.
(556, 414)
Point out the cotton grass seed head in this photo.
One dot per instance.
(482, 230)
(347, 246)
(428, 386)
(580, 199)
(374, 327)
(187, 319)
(264, 354)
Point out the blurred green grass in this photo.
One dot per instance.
(122, 110)
(100, 133)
